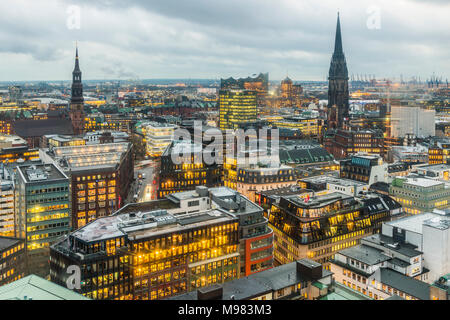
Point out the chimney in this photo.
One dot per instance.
(202, 191)
(310, 269)
(214, 292)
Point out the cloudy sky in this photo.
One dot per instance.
(220, 38)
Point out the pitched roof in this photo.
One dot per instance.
(410, 286)
(38, 128)
(306, 155)
(36, 288)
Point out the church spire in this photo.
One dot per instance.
(77, 85)
(77, 61)
(338, 41)
(77, 101)
(338, 94)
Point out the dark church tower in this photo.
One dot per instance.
(77, 100)
(338, 81)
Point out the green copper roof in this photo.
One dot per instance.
(36, 288)
(319, 285)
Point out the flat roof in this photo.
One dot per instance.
(416, 222)
(6, 242)
(286, 191)
(435, 167)
(365, 254)
(90, 156)
(39, 173)
(163, 204)
(318, 201)
(147, 224)
(405, 249)
(342, 292)
(423, 182)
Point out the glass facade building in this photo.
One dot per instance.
(42, 211)
(150, 255)
(237, 107)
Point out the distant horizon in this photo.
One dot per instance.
(423, 80)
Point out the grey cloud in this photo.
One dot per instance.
(215, 38)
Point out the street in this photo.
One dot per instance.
(144, 186)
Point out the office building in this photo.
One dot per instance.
(343, 143)
(150, 255)
(101, 137)
(374, 272)
(158, 136)
(58, 140)
(420, 195)
(409, 154)
(412, 120)
(328, 184)
(188, 170)
(440, 289)
(287, 90)
(309, 127)
(14, 148)
(404, 259)
(255, 237)
(42, 211)
(316, 227)
(13, 260)
(439, 172)
(439, 153)
(6, 202)
(237, 107)
(364, 168)
(252, 180)
(306, 154)
(100, 177)
(429, 232)
(300, 280)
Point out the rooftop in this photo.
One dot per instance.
(35, 288)
(333, 180)
(410, 286)
(40, 172)
(416, 222)
(183, 148)
(318, 201)
(146, 224)
(342, 292)
(405, 249)
(435, 167)
(38, 128)
(422, 182)
(93, 156)
(286, 191)
(6, 242)
(270, 280)
(365, 254)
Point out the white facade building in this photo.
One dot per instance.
(412, 120)
(6, 204)
(158, 137)
(430, 232)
